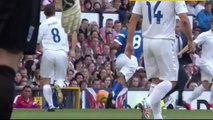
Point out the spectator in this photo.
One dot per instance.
(74, 83)
(103, 74)
(79, 77)
(25, 100)
(87, 60)
(70, 76)
(84, 27)
(78, 64)
(191, 7)
(109, 24)
(108, 82)
(91, 68)
(97, 7)
(135, 82)
(86, 73)
(109, 38)
(99, 61)
(83, 85)
(118, 26)
(106, 4)
(87, 5)
(18, 79)
(125, 5)
(204, 17)
(96, 84)
(23, 72)
(200, 6)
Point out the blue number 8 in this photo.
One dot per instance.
(55, 33)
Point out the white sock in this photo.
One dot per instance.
(152, 86)
(211, 95)
(157, 111)
(154, 99)
(47, 92)
(159, 92)
(196, 93)
(60, 83)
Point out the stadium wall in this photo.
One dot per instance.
(131, 98)
(96, 17)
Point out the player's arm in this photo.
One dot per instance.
(136, 15)
(73, 43)
(119, 40)
(41, 31)
(132, 26)
(181, 10)
(196, 43)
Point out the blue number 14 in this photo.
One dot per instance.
(157, 14)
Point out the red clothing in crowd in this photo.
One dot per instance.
(21, 102)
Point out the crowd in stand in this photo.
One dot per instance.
(93, 65)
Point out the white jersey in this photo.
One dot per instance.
(52, 35)
(159, 18)
(205, 41)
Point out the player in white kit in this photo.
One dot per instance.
(54, 62)
(205, 62)
(158, 28)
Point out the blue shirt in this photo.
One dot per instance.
(121, 39)
(204, 19)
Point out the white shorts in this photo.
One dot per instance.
(54, 65)
(206, 68)
(160, 59)
(126, 66)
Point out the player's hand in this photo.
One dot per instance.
(191, 47)
(129, 50)
(72, 54)
(179, 55)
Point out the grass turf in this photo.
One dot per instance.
(107, 114)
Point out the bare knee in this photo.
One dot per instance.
(156, 81)
(45, 81)
(121, 79)
(174, 83)
(206, 84)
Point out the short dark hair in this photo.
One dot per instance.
(208, 3)
(83, 20)
(109, 19)
(49, 10)
(26, 86)
(78, 73)
(108, 33)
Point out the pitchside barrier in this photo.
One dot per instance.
(126, 98)
(71, 97)
(129, 98)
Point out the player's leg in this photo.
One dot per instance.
(61, 65)
(182, 80)
(126, 71)
(211, 97)
(181, 83)
(206, 80)
(14, 27)
(168, 71)
(151, 72)
(8, 65)
(46, 72)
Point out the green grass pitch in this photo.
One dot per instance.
(107, 114)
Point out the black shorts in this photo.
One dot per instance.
(19, 22)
